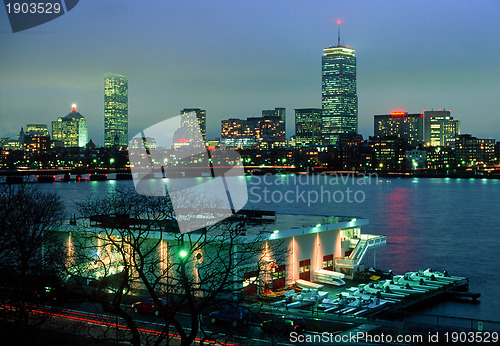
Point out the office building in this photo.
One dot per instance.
(339, 101)
(416, 159)
(71, 129)
(115, 110)
(31, 128)
(201, 115)
(307, 127)
(472, 151)
(388, 152)
(401, 125)
(36, 142)
(440, 129)
(240, 133)
(273, 128)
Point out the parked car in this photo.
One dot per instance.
(149, 306)
(284, 324)
(235, 316)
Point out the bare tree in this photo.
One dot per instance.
(27, 218)
(129, 244)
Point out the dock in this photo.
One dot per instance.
(461, 294)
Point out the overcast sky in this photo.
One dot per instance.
(235, 58)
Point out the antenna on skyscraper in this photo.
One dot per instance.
(338, 31)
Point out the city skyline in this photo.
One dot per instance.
(418, 59)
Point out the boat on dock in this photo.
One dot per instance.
(329, 277)
(444, 276)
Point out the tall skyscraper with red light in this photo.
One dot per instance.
(339, 103)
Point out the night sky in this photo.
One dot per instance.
(235, 58)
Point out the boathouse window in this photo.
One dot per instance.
(328, 262)
(305, 269)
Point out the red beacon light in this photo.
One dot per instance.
(398, 113)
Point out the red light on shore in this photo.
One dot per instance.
(339, 22)
(398, 113)
(73, 107)
(182, 140)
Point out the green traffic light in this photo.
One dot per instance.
(183, 253)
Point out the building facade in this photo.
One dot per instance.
(388, 152)
(401, 125)
(37, 128)
(241, 133)
(201, 115)
(273, 128)
(115, 110)
(307, 127)
(440, 129)
(297, 247)
(71, 129)
(470, 150)
(339, 101)
(416, 159)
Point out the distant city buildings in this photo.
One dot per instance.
(115, 110)
(241, 133)
(273, 128)
(339, 101)
(71, 129)
(388, 152)
(36, 143)
(440, 129)
(401, 125)
(266, 132)
(307, 127)
(31, 128)
(201, 115)
(416, 158)
(470, 150)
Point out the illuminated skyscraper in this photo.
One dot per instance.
(339, 97)
(273, 128)
(71, 129)
(400, 124)
(201, 115)
(440, 130)
(307, 127)
(115, 110)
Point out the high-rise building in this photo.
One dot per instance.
(240, 133)
(471, 150)
(440, 130)
(36, 142)
(201, 115)
(273, 128)
(71, 129)
(307, 127)
(37, 128)
(401, 125)
(338, 91)
(115, 110)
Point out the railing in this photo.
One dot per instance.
(366, 242)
